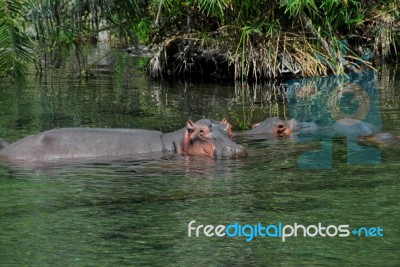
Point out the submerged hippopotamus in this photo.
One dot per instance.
(365, 132)
(275, 127)
(349, 126)
(380, 139)
(199, 139)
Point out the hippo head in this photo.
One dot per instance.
(287, 127)
(211, 139)
(275, 126)
(223, 125)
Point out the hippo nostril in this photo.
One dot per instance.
(281, 128)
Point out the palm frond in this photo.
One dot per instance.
(15, 44)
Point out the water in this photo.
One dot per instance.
(136, 212)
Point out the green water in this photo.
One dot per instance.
(136, 212)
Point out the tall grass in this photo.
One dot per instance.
(252, 39)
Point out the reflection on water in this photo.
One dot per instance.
(135, 212)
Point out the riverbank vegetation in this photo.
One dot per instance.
(218, 39)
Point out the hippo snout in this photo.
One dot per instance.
(229, 151)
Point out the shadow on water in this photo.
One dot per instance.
(136, 211)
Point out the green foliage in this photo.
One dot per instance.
(240, 28)
(15, 45)
(297, 8)
(123, 16)
(329, 14)
(143, 31)
(213, 7)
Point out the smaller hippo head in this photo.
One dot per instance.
(211, 139)
(284, 128)
(275, 126)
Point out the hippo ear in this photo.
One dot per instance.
(224, 121)
(187, 135)
(190, 125)
(229, 130)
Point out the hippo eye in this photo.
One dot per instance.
(190, 131)
(201, 131)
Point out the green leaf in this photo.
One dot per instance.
(15, 45)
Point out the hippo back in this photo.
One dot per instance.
(71, 143)
(349, 126)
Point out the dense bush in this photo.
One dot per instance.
(247, 39)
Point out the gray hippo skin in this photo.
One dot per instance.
(197, 139)
(223, 125)
(353, 127)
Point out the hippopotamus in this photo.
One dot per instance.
(275, 127)
(196, 139)
(365, 131)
